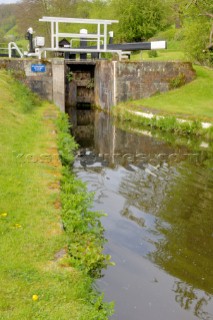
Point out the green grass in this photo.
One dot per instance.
(192, 101)
(30, 224)
(173, 52)
(162, 55)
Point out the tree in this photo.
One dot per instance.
(138, 19)
(199, 40)
(200, 8)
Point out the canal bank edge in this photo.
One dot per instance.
(167, 123)
(33, 244)
(82, 226)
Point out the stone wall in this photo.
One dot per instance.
(58, 83)
(114, 81)
(104, 84)
(40, 83)
(119, 81)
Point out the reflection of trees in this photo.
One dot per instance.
(181, 198)
(188, 298)
(145, 188)
(187, 248)
(129, 215)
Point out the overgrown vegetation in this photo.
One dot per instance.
(165, 124)
(178, 81)
(193, 142)
(38, 280)
(83, 226)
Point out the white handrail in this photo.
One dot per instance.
(13, 45)
(56, 34)
(77, 20)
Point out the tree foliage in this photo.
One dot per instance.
(196, 41)
(139, 19)
(198, 25)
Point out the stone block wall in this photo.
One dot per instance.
(114, 81)
(119, 81)
(105, 86)
(40, 83)
(58, 83)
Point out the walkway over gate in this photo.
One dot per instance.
(100, 37)
(98, 42)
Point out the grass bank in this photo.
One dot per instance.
(191, 102)
(161, 55)
(37, 279)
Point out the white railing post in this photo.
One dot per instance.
(9, 50)
(52, 34)
(105, 36)
(56, 36)
(99, 36)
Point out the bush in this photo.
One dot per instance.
(66, 143)
(152, 54)
(177, 82)
(196, 40)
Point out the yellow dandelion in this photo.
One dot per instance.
(17, 225)
(35, 297)
(4, 214)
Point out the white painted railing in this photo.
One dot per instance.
(101, 26)
(13, 46)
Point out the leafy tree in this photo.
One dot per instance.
(138, 19)
(204, 9)
(195, 42)
(199, 30)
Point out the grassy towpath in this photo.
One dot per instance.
(193, 101)
(34, 282)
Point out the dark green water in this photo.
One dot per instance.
(159, 201)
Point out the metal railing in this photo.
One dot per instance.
(13, 46)
(55, 23)
(10, 50)
(100, 37)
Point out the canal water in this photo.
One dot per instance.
(159, 200)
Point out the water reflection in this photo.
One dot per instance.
(189, 298)
(159, 200)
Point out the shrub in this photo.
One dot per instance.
(152, 54)
(196, 40)
(178, 81)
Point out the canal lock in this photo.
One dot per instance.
(80, 99)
